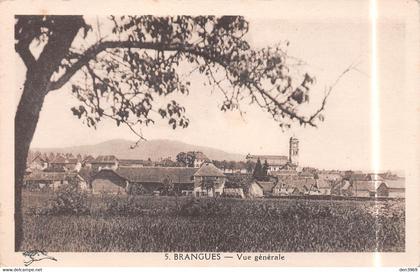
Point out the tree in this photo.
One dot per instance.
(186, 159)
(250, 165)
(258, 171)
(168, 187)
(119, 74)
(265, 169)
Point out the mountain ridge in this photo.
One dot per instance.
(153, 149)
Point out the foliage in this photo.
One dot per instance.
(68, 199)
(228, 225)
(122, 74)
(136, 189)
(258, 171)
(186, 158)
(265, 169)
(168, 187)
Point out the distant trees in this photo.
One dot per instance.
(257, 174)
(265, 168)
(186, 158)
(260, 171)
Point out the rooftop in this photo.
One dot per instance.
(156, 174)
(209, 170)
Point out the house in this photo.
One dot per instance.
(209, 180)
(151, 180)
(275, 162)
(105, 162)
(330, 176)
(363, 188)
(131, 163)
(87, 161)
(199, 159)
(38, 180)
(87, 173)
(61, 163)
(324, 186)
(107, 181)
(233, 189)
(374, 177)
(295, 186)
(392, 189)
(39, 162)
(267, 186)
(342, 188)
(284, 173)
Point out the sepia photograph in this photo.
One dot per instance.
(185, 134)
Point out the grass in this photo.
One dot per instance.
(269, 225)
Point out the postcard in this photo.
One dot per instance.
(209, 133)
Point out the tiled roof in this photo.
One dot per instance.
(157, 174)
(323, 184)
(299, 183)
(63, 160)
(330, 176)
(267, 186)
(209, 170)
(88, 159)
(131, 162)
(395, 184)
(105, 159)
(285, 172)
(49, 176)
(364, 185)
(358, 176)
(239, 177)
(87, 173)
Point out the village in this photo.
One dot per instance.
(194, 174)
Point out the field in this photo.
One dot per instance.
(164, 224)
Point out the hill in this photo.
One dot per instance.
(153, 149)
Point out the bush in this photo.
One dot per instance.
(137, 189)
(67, 200)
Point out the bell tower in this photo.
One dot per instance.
(294, 150)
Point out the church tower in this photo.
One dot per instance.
(294, 150)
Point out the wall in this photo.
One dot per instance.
(104, 185)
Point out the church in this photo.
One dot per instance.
(279, 162)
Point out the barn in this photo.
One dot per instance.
(392, 189)
(151, 180)
(106, 181)
(363, 188)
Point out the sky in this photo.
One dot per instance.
(342, 141)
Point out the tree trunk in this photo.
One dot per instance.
(35, 89)
(26, 119)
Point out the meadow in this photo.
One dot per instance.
(165, 224)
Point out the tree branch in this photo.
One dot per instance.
(22, 48)
(99, 47)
